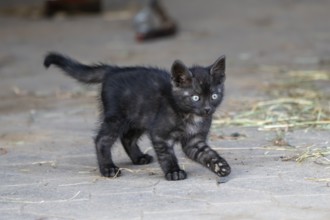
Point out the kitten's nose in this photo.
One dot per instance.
(207, 110)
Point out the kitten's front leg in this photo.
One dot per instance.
(167, 159)
(197, 149)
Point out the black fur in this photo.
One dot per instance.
(169, 107)
(81, 72)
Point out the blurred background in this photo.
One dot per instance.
(254, 35)
(265, 43)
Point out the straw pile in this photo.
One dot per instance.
(296, 101)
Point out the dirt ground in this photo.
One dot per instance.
(48, 165)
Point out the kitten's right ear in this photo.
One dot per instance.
(218, 69)
(181, 75)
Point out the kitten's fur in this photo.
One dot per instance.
(169, 107)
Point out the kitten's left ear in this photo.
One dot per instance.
(218, 69)
(181, 75)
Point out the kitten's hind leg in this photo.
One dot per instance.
(129, 141)
(105, 139)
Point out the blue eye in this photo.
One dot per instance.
(195, 98)
(214, 96)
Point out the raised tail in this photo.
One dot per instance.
(81, 72)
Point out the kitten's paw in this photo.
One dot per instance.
(110, 171)
(144, 159)
(176, 175)
(219, 166)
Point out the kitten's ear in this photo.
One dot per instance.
(218, 69)
(181, 75)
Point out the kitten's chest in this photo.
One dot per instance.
(194, 124)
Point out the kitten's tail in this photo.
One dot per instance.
(79, 71)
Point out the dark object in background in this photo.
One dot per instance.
(153, 22)
(72, 6)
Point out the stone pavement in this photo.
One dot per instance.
(47, 160)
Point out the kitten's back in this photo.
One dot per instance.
(137, 92)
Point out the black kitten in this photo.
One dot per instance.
(170, 107)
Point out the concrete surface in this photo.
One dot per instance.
(47, 160)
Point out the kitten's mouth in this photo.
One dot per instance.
(205, 114)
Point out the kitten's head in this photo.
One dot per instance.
(198, 90)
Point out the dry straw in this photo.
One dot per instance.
(296, 101)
